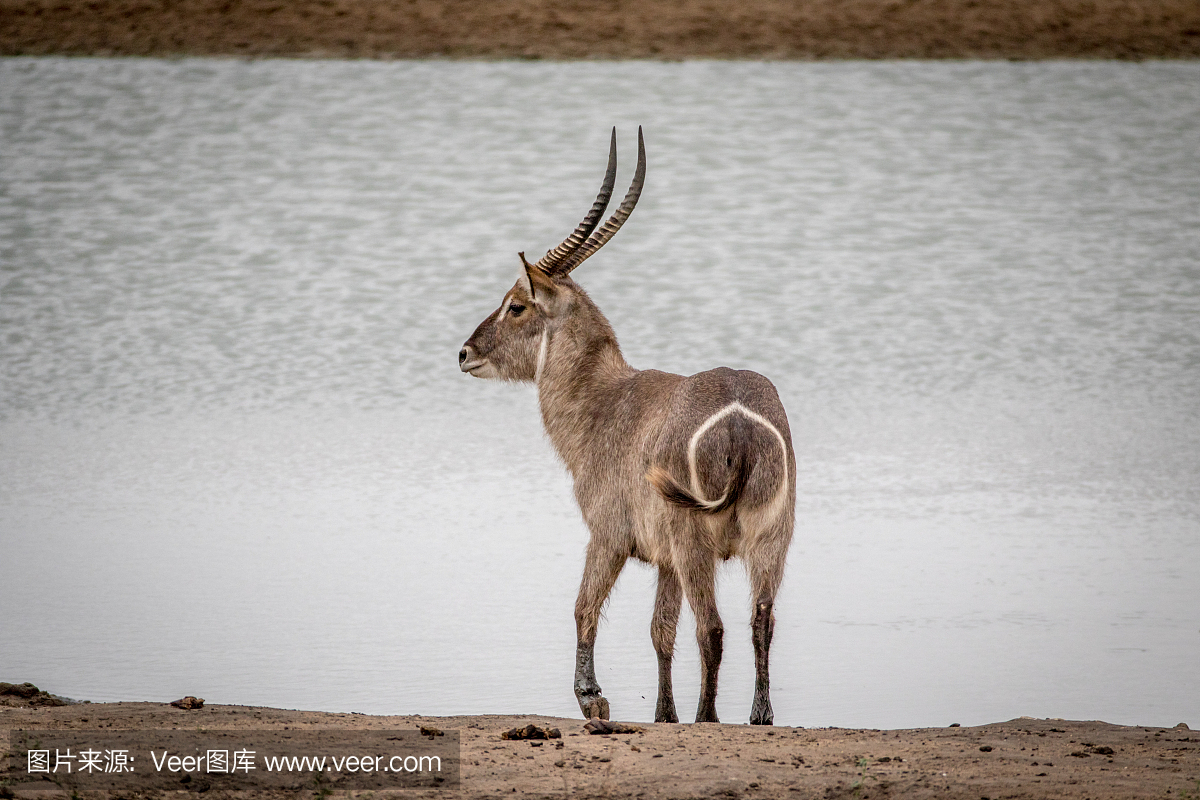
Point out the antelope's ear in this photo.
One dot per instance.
(538, 284)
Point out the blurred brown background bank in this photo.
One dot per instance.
(606, 29)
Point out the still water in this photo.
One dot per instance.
(238, 460)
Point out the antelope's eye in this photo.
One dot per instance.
(516, 310)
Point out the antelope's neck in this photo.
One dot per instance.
(580, 380)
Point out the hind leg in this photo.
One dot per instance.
(696, 567)
(662, 633)
(766, 572)
(762, 627)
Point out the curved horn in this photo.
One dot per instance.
(608, 229)
(552, 261)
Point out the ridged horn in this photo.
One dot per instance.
(608, 229)
(553, 260)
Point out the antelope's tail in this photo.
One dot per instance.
(675, 494)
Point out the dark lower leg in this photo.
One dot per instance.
(710, 635)
(587, 689)
(664, 709)
(762, 628)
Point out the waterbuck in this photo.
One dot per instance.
(679, 472)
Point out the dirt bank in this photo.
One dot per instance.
(774, 29)
(1024, 758)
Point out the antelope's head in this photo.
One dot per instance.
(511, 343)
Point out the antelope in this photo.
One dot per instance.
(679, 472)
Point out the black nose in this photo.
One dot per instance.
(462, 355)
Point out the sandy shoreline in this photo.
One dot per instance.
(662, 29)
(1023, 758)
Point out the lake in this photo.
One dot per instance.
(238, 460)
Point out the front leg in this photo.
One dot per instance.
(599, 574)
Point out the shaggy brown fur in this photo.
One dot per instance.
(679, 472)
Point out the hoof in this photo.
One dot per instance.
(594, 707)
(672, 717)
(762, 716)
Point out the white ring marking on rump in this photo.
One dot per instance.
(713, 420)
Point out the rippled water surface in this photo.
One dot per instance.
(237, 459)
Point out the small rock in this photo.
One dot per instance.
(1102, 751)
(955, 725)
(430, 731)
(1183, 726)
(604, 727)
(987, 748)
(532, 731)
(189, 702)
